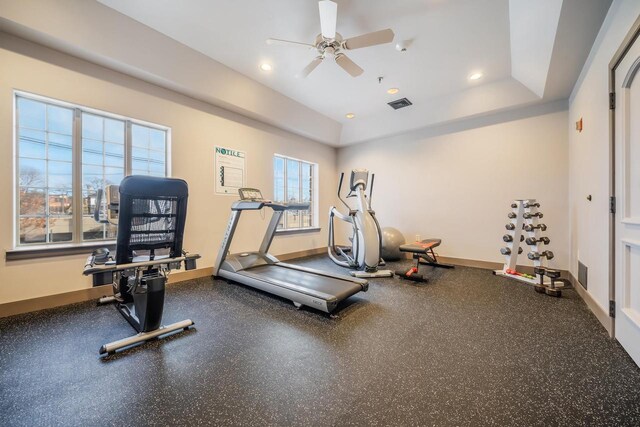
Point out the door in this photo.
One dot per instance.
(627, 190)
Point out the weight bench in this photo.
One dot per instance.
(423, 253)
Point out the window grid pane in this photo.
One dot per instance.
(148, 151)
(45, 172)
(103, 164)
(45, 167)
(293, 182)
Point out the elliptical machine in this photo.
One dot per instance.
(366, 242)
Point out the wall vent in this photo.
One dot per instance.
(400, 103)
(582, 274)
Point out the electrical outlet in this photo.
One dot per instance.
(418, 238)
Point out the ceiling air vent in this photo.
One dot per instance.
(400, 103)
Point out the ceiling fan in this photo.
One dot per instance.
(328, 42)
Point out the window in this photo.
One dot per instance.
(294, 182)
(65, 153)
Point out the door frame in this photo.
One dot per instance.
(630, 38)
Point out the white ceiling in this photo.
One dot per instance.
(450, 40)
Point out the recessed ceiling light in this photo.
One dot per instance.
(475, 76)
(265, 67)
(393, 91)
(349, 115)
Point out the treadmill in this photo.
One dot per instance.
(304, 286)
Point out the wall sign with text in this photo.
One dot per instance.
(230, 170)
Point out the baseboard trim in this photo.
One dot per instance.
(52, 301)
(181, 276)
(81, 295)
(301, 254)
(487, 265)
(601, 314)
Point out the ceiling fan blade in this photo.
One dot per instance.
(348, 65)
(289, 42)
(369, 39)
(312, 66)
(328, 17)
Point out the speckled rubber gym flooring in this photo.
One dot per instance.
(469, 348)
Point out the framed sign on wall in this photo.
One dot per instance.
(230, 170)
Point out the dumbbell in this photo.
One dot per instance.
(507, 251)
(531, 205)
(530, 227)
(553, 288)
(553, 274)
(514, 205)
(528, 215)
(533, 241)
(539, 271)
(534, 256)
(509, 238)
(512, 215)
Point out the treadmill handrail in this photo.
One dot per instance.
(255, 205)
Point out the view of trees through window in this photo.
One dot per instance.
(293, 182)
(47, 140)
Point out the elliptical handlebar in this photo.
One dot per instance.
(373, 176)
(340, 190)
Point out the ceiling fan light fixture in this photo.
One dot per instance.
(393, 91)
(349, 115)
(330, 43)
(266, 66)
(475, 76)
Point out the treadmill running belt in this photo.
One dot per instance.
(341, 289)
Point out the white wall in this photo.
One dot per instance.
(458, 186)
(589, 153)
(196, 128)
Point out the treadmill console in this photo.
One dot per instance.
(250, 194)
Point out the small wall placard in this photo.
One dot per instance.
(230, 170)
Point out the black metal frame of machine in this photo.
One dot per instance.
(150, 214)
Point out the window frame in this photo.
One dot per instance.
(76, 184)
(314, 193)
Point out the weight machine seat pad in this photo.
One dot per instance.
(421, 247)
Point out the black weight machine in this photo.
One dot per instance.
(150, 214)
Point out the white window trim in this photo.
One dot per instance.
(78, 109)
(315, 195)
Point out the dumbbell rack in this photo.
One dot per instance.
(516, 229)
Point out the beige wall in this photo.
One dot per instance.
(589, 153)
(455, 184)
(196, 128)
(79, 27)
(458, 186)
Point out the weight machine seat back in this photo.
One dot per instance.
(152, 215)
(422, 247)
